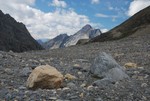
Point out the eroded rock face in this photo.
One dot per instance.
(104, 66)
(46, 77)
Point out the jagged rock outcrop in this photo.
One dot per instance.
(14, 36)
(57, 42)
(139, 21)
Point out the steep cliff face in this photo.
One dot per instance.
(139, 21)
(14, 35)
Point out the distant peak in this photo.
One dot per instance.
(64, 34)
(87, 26)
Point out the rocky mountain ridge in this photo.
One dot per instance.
(137, 22)
(87, 32)
(63, 40)
(57, 42)
(14, 36)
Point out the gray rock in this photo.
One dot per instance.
(8, 97)
(22, 88)
(72, 86)
(98, 99)
(25, 72)
(116, 74)
(1, 55)
(104, 66)
(102, 83)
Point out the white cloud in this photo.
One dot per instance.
(101, 15)
(113, 17)
(58, 3)
(104, 30)
(109, 5)
(137, 5)
(95, 1)
(41, 24)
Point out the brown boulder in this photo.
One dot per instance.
(46, 77)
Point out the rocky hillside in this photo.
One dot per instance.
(85, 72)
(87, 32)
(57, 42)
(136, 22)
(14, 36)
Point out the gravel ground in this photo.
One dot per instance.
(76, 60)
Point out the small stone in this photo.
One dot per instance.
(69, 77)
(65, 88)
(90, 87)
(76, 65)
(8, 71)
(81, 95)
(52, 98)
(79, 73)
(62, 100)
(146, 76)
(140, 67)
(72, 86)
(144, 98)
(140, 78)
(8, 96)
(144, 85)
(16, 90)
(73, 97)
(136, 72)
(1, 56)
(98, 99)
(25, 72)
(130, 65)
(26, 92)
(83, 85)
(22, 88)
(41, 60)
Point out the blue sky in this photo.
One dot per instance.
(49, 18)
(114, 11)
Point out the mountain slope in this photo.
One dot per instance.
(63, 40)
(14, 36)
(127, 28)
(86, 32)
(57, 42)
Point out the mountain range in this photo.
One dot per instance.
(63, 40)
(14, 36)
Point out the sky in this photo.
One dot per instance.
(49, 18)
